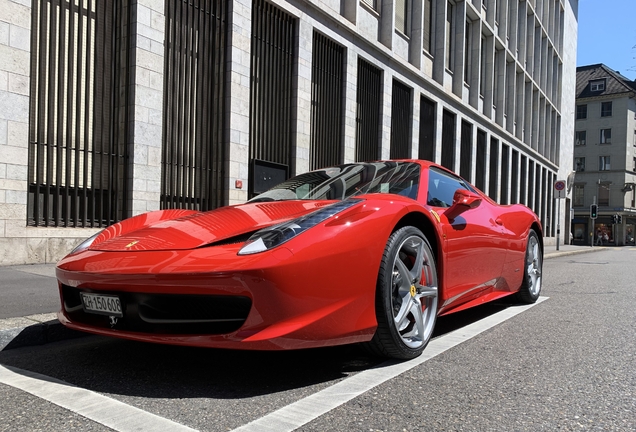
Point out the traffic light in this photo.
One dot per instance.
(593, 211)
(614, 219)
(620, 219)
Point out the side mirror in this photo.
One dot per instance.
(462, 200)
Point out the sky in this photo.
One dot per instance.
(607, 34)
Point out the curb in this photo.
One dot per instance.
(49, 329)
(557, 254)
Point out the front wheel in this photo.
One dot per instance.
(406, 296)
(533, 267)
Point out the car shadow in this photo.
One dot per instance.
(128, 368)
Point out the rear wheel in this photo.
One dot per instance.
(533, 267)
(406, 296)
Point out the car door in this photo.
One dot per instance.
(474, 242)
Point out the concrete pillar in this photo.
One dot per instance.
(147, 105)
(238, 99)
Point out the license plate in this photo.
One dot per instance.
(102, 304)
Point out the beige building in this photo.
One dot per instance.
(113, 108)
(604, 157)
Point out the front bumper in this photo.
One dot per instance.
(213, 298)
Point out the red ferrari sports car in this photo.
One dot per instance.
(366, 252)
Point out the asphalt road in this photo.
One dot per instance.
(28, 290)
(567, 363)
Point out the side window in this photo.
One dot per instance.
(442, 187)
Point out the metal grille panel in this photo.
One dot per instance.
(369, 109)
(480, 168)
(271, 85)
(514, 197)
(78, 113)
(448, 140)
(466, 155)
(503, 196)
(494, 168)
(427, 129)
(193, 156)
(523, 190)
(326, 103)
(400, 121)
(531, 185)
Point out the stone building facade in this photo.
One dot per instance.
(111, 109)
(604, 157)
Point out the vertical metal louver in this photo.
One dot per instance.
(531, 185)
(503, 196)
(448, 140)
(78, 113)
(514, 197)
(271, 91)
(542, 185)
(193, 156)
(523, 181)
(428, 119)
(480, 168)
(369, 100)
(466, 149)
(494, 169)
(327, 88)
(400, 121)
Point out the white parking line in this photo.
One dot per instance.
(124, 418)
(305, 410)
(101, 409)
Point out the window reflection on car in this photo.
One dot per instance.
(442, 187)
(345, 181)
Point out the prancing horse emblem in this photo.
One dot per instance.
(132, 243)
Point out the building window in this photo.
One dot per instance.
(449, 121)
(373, 4)
(635, 138)
(580, 137)
(467, 65)
(428, 120)
(579, 164)
(369, 106)
(78, 142)
(606, 136)
(195, 182)
(400, 121)
(604, 163)
(606, 109)
(634, 165)
(597, 85)
(581, 112)
(327, 110)
(401, 15)
(579, 194)
(466, 150)
(450, 31)
(428, 26)
(482, 67)
(271, 101)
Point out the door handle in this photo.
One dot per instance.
(499, 221)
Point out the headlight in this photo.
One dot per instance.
(276, 235)
(85, 244)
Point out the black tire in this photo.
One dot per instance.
(401, 291)
(532, 270)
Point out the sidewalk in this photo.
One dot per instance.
(41, 328)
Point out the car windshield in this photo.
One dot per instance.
(344, 181)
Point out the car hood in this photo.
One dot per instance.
(200, 229)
